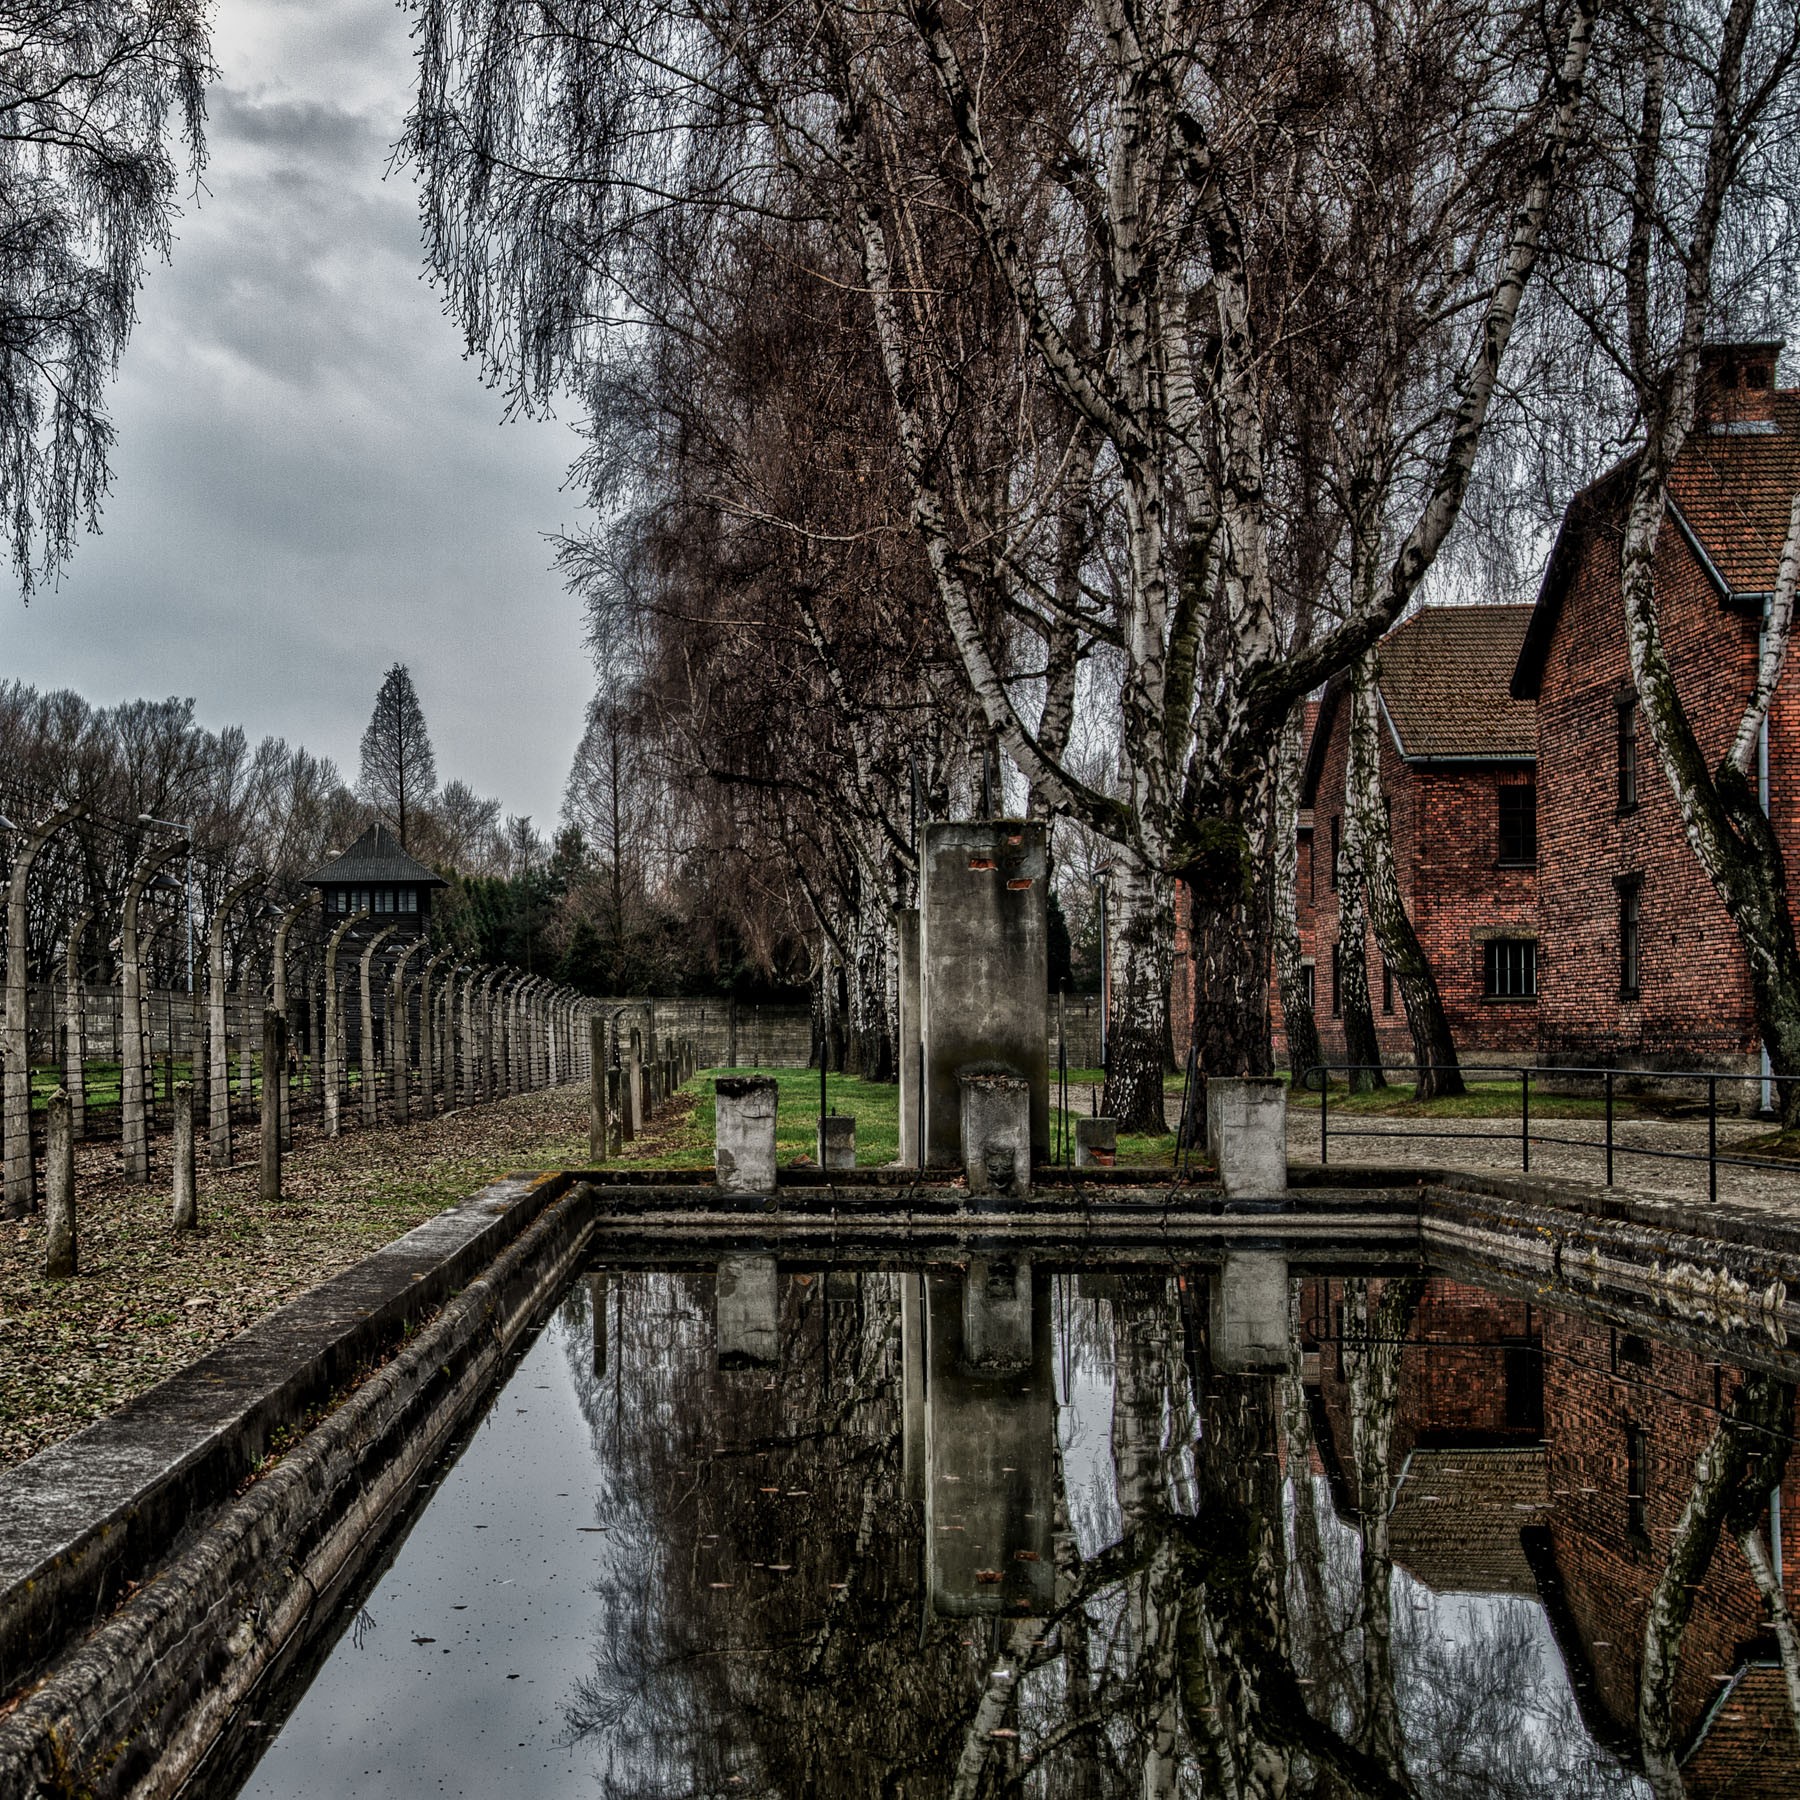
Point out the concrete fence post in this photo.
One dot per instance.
(186, 1208)
(274, 1059)
(744, 1109)
(599, 1125)
(59, 1188)
(218, 1081)
(634, 1081)
(400, 1038)
(75, 1025)
(334, 1027)
(278, 991)
(369, 1075)
(837, 1141)
(134, 1122)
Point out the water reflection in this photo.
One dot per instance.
(1011, 1527)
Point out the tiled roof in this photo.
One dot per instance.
(1732, 487)
(1444, 677)
(376, 856)
(1456, 1520)
(1746, 1744)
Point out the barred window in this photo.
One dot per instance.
(1510, 971)
(1637, 1480)
(1631, 936)
(1518, 823)
(1306, 982)
(1387, 987)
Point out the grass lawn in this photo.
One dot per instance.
(1484, 1100)
(686, 1142)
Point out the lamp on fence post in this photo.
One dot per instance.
(21, 1171)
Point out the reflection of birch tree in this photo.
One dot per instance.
(1733, 1477)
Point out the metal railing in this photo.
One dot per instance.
(1317, 1080)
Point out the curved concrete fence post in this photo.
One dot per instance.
(430, 1057)
(75, 1024)
(133, 1124)
(333, 1033)
(278, 993)
(59, 1188)
(488, 1027)
(599, 1125)
(185, 1206)
(21, 1170)
(218, 1062)
(399, 1058)
(369, 1075)
(274, 1056)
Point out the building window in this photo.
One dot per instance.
(1307, 976)
(384, 900)
(340, 900)
(1637, 1481)
(409, 900)
(1337, 981)
(1631, 935)
(1518, 823)
(362, 900)
(1509, 969)
(1523, 1370)
(1628, 786)
(1387, 987)
(1336, 852)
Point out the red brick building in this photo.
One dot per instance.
(1642, 967)
(1458, 768)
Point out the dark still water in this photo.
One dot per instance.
(1002, 1528)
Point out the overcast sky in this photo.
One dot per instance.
(309, 482)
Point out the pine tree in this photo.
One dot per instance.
(399, 772)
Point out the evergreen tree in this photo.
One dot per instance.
(399, 772)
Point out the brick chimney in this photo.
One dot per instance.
(1737, 385)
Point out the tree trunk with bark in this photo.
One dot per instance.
(1438, 1070)
(1304, 1050)
(1142, 952)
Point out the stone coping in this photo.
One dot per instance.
(86, 1516)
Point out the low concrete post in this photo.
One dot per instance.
(274, 1055)
(187, 1210)
(744, 1133)
(749, 1312)
(837, 1141)
(1096, 1143)
(1246, 1126)
(1248, 1312)
(599, 1126)
(59, 1188)
(996, 1132)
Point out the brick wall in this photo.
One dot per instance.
(1695, 1005)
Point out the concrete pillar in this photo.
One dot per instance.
(997, 1313)
(744, 1133)
(274, 1057)
(59, 1188)
(837, 1141)
(1096, 1143)
(186, 1208)
(906, 940)
(369, 1075)
(599, 1124)
(996, 1132)
(1248, 1312)
(21, 1171)
(1246, 1126)
(218, 1081)
(912, 1384)
(333, 1030)
(749, 1312)
(990, 1475)
(633, 1063)
(984, 972)
(75, 1025)
(134, 1123)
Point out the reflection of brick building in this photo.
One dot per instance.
(1645, 967)
(1577, 1508)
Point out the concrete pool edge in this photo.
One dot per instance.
(127, 1703)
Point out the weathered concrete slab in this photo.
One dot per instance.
(87, 1515)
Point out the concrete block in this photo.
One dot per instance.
(749, 1312)
(744, 1133)
(996, 1132)
(984, 972)
(1248, 1312)
(1096, 1143)
(996, 1313)
(837, 1141)
(1246, 1125)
